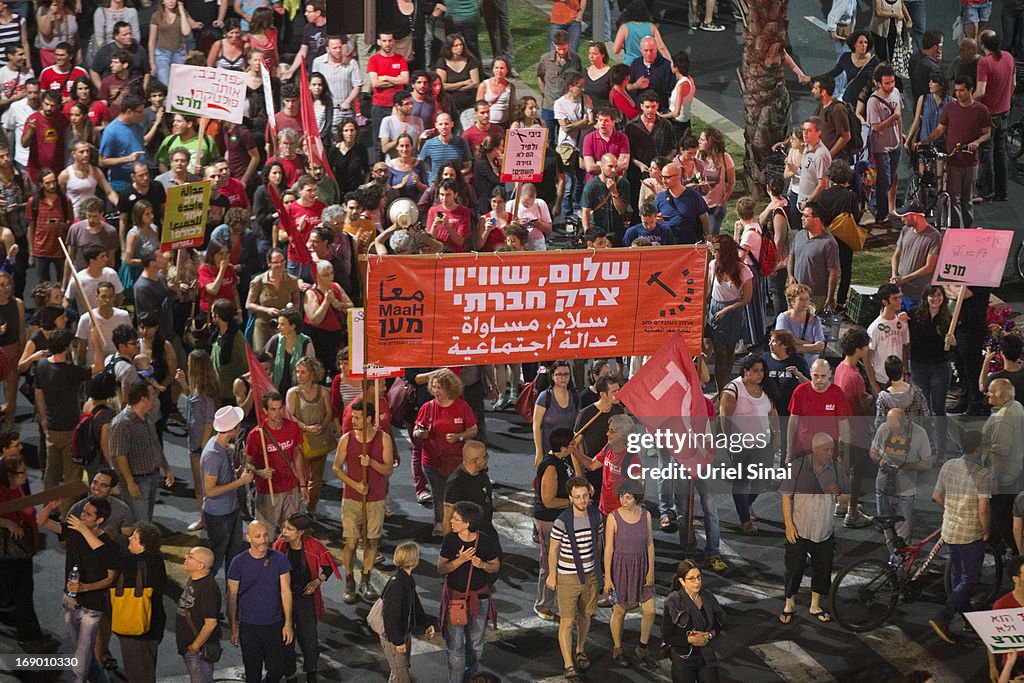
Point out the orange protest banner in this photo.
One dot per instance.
(477, 309)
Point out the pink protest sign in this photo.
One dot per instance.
(524, 155)
(972, 256)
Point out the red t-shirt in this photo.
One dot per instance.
(377, 481)
(47, 147)
(963, 125)
(208, 274)
(611, 478)
(51, 79)
(818, 412)
(234, 190)
(460, 221)
(382, 406)
(293, 168)
(474, 136)
(997, 75)
(51, 224)
(391, 66)
(456, 418)
(849, 380)
(312, 214)
(99, 112)
(1006, 602)
(282, 121)
(595, 146)
(624, 104)
(289, 437)
(495, 238)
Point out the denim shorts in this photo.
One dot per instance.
(973, 14)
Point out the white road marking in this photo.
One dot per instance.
(904, 654)
(792, 663)
(817, 22)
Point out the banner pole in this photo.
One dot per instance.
(956, 315)
(266, 462)
(78, 285)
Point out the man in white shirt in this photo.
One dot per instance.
(90, 278)
(890, 336)
(16, 116)
(534, 214)
(341, 70)
(108, 317)
(14, 75)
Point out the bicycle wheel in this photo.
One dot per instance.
(941, 212)
(989, 582)
(1015, 140)
(864, 595)
(1020, 260)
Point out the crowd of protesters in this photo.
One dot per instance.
(120, 343)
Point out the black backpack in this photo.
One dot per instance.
(856, 143)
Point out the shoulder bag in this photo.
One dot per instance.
(458, 608)
(844, 228)
(210, 651)
(132, 611)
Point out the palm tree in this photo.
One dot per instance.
(765, 97)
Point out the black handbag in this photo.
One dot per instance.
(210, 651)
(12, 548)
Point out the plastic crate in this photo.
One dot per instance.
(863, 306)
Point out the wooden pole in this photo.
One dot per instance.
(197, 159)
(515, 205)
(266, 461)
(78, 285)
(956, 314)
(577, 435)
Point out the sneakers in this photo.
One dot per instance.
(712, 27)
(716, 565)
(942, 631)
(544, 614)
(438, 530)
(501, 404)
(424, 498)
(856, 520)
(840, 510)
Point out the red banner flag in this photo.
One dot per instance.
(260, 382)
(666, 396)
(310, 130)
(295, 237)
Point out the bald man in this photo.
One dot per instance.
(1003, 454)
(470, 482)
(605, 199)
(901, 449)
(815, 483)
(652, 71)
(196, 623)
(817, 406)
(260, 607)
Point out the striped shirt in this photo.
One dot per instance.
(585, 540)
(961, 482)
(10, 34)
(437, 153)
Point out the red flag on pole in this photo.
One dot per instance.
(666, 396)
(310, 130)
(260, 382)
(295, 238)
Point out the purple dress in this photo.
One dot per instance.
(629, 560)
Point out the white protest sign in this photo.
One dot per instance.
(205, 91)
(972, 256)
(356, 316)
(1002, 630)
(524, 155)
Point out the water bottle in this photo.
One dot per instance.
(74, 577)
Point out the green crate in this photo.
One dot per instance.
(863, 306)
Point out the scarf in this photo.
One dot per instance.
(568, 518)
(300, 343)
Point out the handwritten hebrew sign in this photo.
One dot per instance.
(356, 317)
(185, 216)
(205, 91)
(1001, 630)
(524, 155)
(478, 309)
(972, 257)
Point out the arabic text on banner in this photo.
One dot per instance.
(477, 309)
(185, 216)
(206, 91)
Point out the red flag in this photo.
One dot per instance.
(310, 131)
(295, 238)
(665, 395)
(260, 382)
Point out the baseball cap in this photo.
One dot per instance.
(911, 206)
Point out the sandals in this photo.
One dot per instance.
(822, 616)
(108, 662)
(786, 617)
(571, 675)
(582, 661)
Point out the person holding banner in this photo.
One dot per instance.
(324, 305)
(275, 449)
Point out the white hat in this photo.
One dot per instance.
(227, 418)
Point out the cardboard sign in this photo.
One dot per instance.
(478, 309)
(1002, 630)
(185, 215)
(524, 155)
(972, 256)
(356, 316)
(205, 91)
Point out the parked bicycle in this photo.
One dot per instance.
(865, 594)
(928, 185)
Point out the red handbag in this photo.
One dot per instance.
(527, 400)
(399, 395)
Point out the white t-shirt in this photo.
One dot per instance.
(887, 339)
(567, 110)
(813, 168)
(538, 211)
(107, 326)
(12, 82)
(14, 123)
(727, 291)
(90, 284)
(751, 240)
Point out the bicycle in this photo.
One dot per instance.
(1015, 131)
(928, 185)
(864, 594)
(1019, 260)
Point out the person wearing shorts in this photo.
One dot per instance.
(973, 15)
(364, 461)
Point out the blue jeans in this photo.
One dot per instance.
(436, 483)
(707, 504)
(887, 165)
(83, 625)
(575, 179)
(716, 215)
(992, 170)
(225, 535)
(934, 380)
(149, 485)
(1013, 32)
(965, 561)
(841, 48)
(898, 505)
(573, 28)
(666, 487)
(465, 645)
(199, 670)
(164, 59)
(916, 10)
(745, 490)
(548, 117)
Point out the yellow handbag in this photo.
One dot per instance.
(132, 610)
(845, 228)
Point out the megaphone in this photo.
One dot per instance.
(403, 212)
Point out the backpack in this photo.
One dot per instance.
(85, 444)
(856, 143)
(768, 256)
(109, 370)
